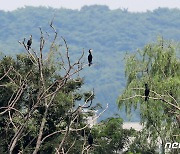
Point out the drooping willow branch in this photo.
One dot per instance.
(160, 97)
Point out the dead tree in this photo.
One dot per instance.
(45, 94)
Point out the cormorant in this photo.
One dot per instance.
(146, 92)
(90, 57)
(90, 139)
(29, 42)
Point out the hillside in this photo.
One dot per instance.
(110, 33)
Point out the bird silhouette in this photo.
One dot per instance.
(146, 92)
(29, 42)
(90, 57)
(90, 139)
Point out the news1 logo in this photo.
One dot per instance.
(174, 145)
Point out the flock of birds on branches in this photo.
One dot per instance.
(90, 57)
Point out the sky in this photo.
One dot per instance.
(132, 5)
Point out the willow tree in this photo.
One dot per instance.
(157, 65)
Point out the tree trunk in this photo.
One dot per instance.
(38, 143)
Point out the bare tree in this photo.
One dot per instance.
(45, 94)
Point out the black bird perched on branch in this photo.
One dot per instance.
(90, 57)
(146, 92)
(90, 139)
(29, 42)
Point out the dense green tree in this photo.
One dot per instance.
(158, 66)
(110, 137)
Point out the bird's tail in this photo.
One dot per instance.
(90, 64)
(146, 98)
(28, 47)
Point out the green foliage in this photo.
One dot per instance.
(157, 65)
(99, 28)
(110, 137)
(108, 32)
(22, 70)
(141, 145)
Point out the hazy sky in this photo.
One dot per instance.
(132, 5)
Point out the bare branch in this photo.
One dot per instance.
(56, 132)
(32, 57)
(6, 73)
(71, 146)
(158, 98)
(92, 120)
(10, 118)
(67, 52)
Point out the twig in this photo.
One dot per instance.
(71, 146)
